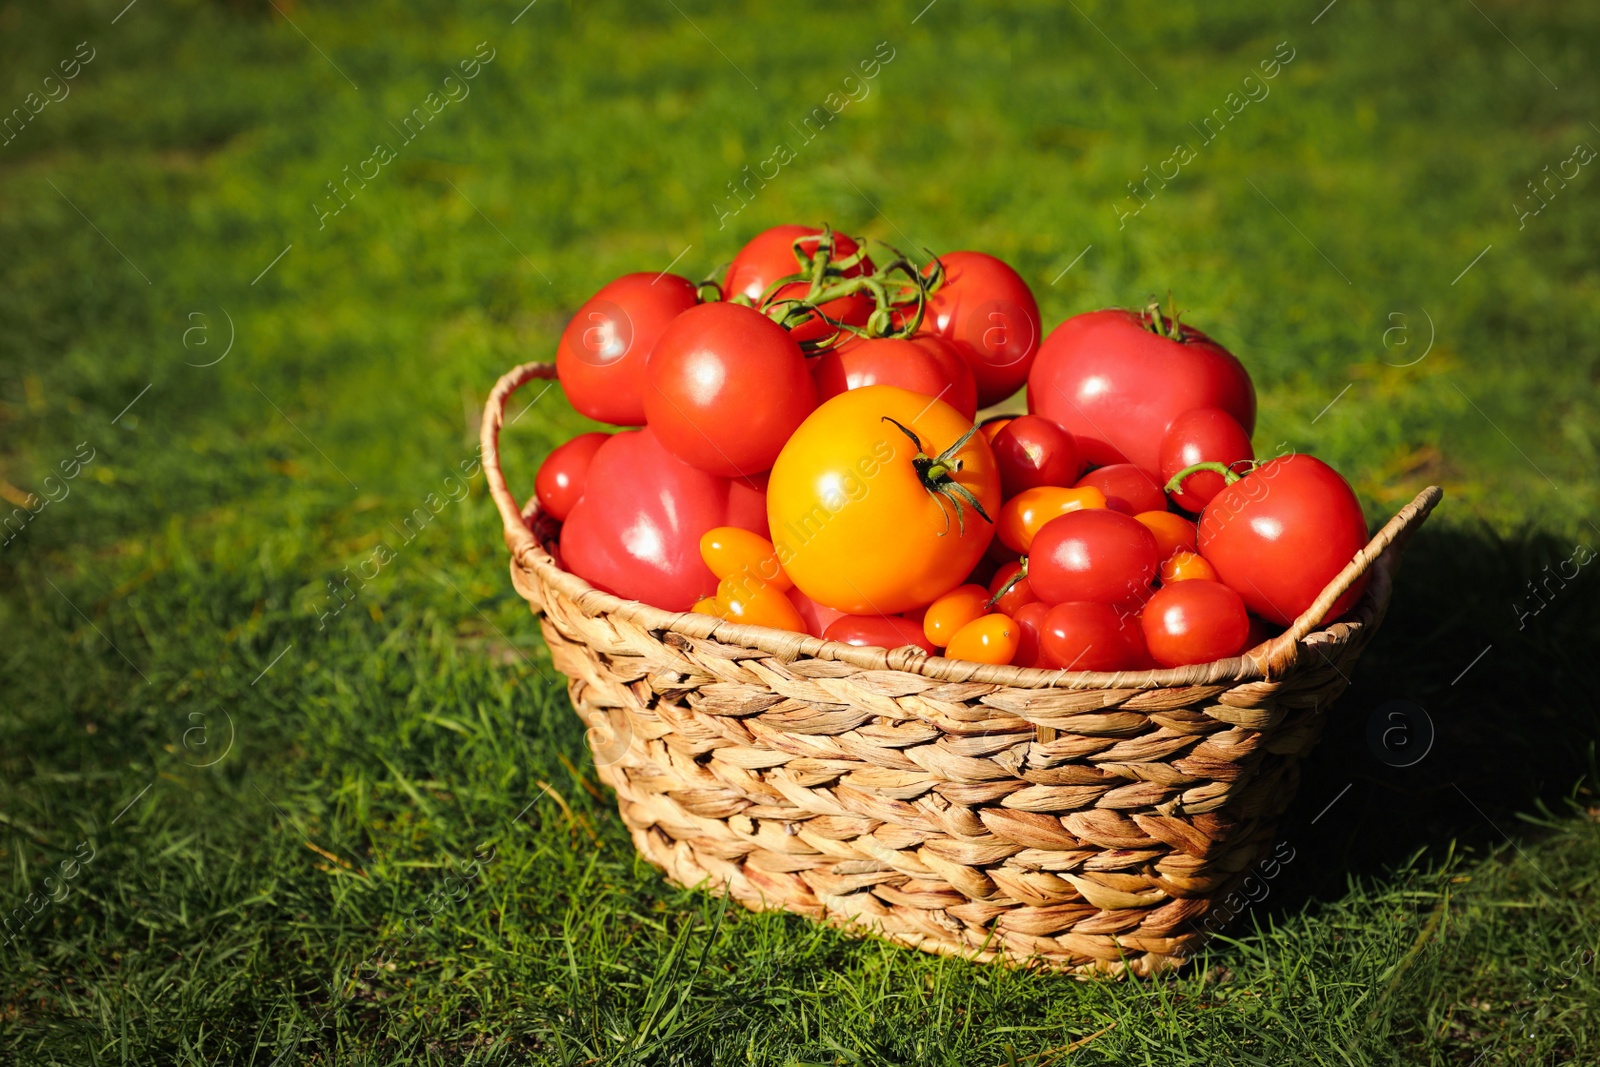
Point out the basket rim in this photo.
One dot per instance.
(1272, 660)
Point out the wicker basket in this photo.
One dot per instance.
(1084, 821)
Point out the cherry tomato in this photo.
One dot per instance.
(729, 550)
(726, 388)
(1281, 533)
(741, 598)
(817, 616)
(1127, 488)
(953, 611)
(1030, 620)
(878, 631)
(994, 424)
(1024, 514)
(1096, 554)
(1084, 636)
(1261, 631)
(1173, 532)
(1116, 385)
(989, 311)
(770, 256)
(707, 605)
(1033, 451)
(1184, 566)
(1194, 622)
(865, 519)
(927, 366)
(559, 483)
(1019, 594)
(1198, 436)
(990, 639)
(600, 359)
(1139, 657)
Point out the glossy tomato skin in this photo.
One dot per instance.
(726, 386)
(561, 476)
(1012, 599)
(1030, 620)
(1033, 451)
(1174, 533)
(1116, 386)
(989, 312)
(1202, 435)
(601, 357)
(1279, 535)
(930, 369)
(878, 631)
(817, 617)
(1128, 489)
(770, 256)
(1194, 622)
(636, 530)
(1095, 554)
(1084, 636)
(989, 639)
(853, 524)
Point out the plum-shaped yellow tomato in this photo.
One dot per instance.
(882, 501)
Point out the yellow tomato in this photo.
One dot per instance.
(990, 639)
(1173, 532)
(743, 599)
(1182, 566)
(953, 611)
(1030, 509)
(730, 550)
(867, 520)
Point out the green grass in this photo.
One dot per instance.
(282, 812)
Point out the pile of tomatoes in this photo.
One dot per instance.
(807, 458)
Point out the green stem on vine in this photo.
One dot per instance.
(1004, 589)
(937, 476)
(1229, 475)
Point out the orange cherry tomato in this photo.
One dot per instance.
(1173, 532)
(990, 639)
(993, 425)
(1019, 594)
(1030, 509)
(953, 611)
(729, 550)
(707, 606)
(742, 599)
(1184, 566)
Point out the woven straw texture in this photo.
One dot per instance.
(1081, 821)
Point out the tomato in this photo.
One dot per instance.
(747, 503)
(990, 639)
(993, 425)
(989, 311)
(1116, 386)
(726, 388)
(817, 616)
(1184, 566)
(878, 631)
(741, 598)
(636, 530)
(730, 550)
(707, 606)
(600, 359)
(953, 611)
(1194, 622)
(559, 483)
(1261, 631)
(1095, 554)
(770, 256)
(1025, 513)
(1198, 436)
(1020, 593)
(1173, 532)
(869, 521)
(1127, 488)
(926, 365)
(1033, 451)
(1084, 636)
(1030, 620)
(1281, 533)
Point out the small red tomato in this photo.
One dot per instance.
(878, 631)
(1084, 636)
(601, 357)
(1128, 489)
(1194, 622)
(1094, 554)
(1174, 533)
(1184, 566)
(1202, 435)
(1030, 621)
(817, 616)
(953, 611)
(1019, 594)
(770, 255)
(989, 639)
(1033, 451)
(929, 369)
(1139, 657)
(559, 483)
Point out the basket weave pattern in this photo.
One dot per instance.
(1081, 821)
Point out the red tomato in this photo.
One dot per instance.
(1094, 554)
(1203, 435)
(1084, 636)
(1030, 620)
(989, 311)
(817, 616)
(1174, 533)
(1281, 533)
(1127, 488)
(1116, 386)
(770, 256)
(601, 356)
(926, 365)
(559, 483)
(726, 388)
(636, 530)
(747, 503)
(1194, 622)
(878, 631)
(990, 639)
(1033, 451)
(1019, 594)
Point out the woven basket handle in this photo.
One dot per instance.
(1282, 652)
(518, 537)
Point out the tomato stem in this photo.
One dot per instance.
(937, 476)
(1229, 475)
(1004, 589)
(1164, 325)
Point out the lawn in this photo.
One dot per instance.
(270, 813)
